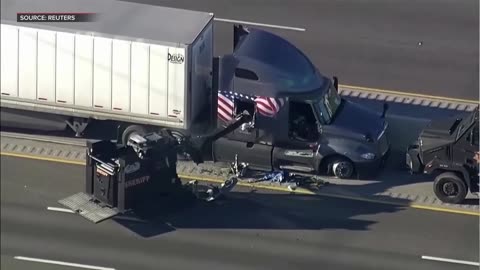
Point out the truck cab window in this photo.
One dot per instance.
(241, 106)
(302, 124)
(328, 105)
(249, 106)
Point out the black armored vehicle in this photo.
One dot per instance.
(446, 149)
(300, 122)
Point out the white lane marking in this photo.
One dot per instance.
(450, 260)
(65, 210)
(86, 266)
(262, 24)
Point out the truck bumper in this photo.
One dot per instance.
(412, 160)
(371, 168)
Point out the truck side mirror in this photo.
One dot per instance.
(319, 128)
(239, 31)
(335, 82)
(385, 109)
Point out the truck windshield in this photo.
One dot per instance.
(328, 105)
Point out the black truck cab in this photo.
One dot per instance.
(300, 122)
(446, 149)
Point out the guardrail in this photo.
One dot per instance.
(408, 98)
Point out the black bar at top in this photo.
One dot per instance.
(55, 17)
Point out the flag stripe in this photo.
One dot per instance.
(225, 107)
(226, 100)
(265, 106)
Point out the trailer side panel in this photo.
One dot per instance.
(9, 61)
(61, 71)
(83, 71)
(46, 74)
(27, 60)
(65, 83)
(140, 78)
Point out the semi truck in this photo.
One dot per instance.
(149, 68)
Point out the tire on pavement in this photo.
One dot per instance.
(450, 188)
(341, 167)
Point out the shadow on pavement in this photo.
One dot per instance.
(251, 210)
(471, 202)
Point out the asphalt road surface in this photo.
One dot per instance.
(262, 230)
(426, 46)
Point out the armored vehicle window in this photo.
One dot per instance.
(466, 122)
(475, 135)
(302, 124)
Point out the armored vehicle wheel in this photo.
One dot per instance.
(450, 188)
(341, 167)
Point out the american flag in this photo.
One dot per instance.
(268, 106)
(265, 106)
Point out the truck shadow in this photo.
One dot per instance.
(254, 210)
(396, 187)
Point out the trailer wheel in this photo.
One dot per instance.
(130, 130)
(450, 188)
(341, 167)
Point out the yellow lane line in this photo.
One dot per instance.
(56, 160)
(183, 176)
(383, 91)
(267, 187)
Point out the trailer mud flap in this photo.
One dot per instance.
(89, 208)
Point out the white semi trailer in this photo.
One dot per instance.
(141, 65)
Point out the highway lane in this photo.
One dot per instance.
(263, 230)
(426, 46)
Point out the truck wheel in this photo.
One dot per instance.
(179, 137)
(341, 167)
(130, 130)
(450, 188)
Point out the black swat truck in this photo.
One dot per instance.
(446, 149)
(141, 176)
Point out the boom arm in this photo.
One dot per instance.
(194, 146)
